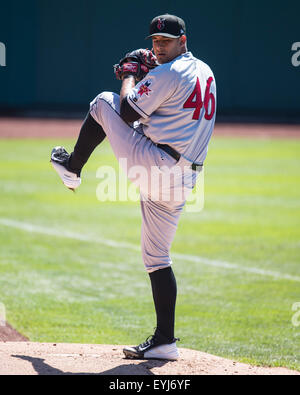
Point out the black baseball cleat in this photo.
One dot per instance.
(60, 162)
(155, 347)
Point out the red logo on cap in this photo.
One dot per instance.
(160, 24)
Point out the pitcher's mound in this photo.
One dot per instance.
(58, 359)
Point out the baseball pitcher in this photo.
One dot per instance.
(163, 119)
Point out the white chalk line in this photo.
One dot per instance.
(25, 226)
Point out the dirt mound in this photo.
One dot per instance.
(8, 333)
(29, 358)
(18, 356)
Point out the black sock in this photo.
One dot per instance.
(91, 134)
(164, 290)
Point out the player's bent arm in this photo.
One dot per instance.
(127, 113)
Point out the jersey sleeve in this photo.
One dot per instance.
(149, 94)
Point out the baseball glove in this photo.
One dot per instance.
(137, 63)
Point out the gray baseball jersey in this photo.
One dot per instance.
(177, 104)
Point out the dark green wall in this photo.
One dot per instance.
(60, 53)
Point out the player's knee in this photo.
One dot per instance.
(111, 98)
(153, 262)
(103, 99)
(107, 96)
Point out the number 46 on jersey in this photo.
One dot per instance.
(195, 101)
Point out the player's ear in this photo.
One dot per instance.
(183, 39)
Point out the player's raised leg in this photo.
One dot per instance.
(68, 166)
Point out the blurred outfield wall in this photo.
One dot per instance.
(59, 54)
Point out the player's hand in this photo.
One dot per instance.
(136, 63)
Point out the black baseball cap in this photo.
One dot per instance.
(167, 25)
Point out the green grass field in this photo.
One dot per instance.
(63, 277)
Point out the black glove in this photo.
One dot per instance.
(137, 63)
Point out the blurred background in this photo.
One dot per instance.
(59, 54)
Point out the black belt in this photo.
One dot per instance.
(176, 155)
